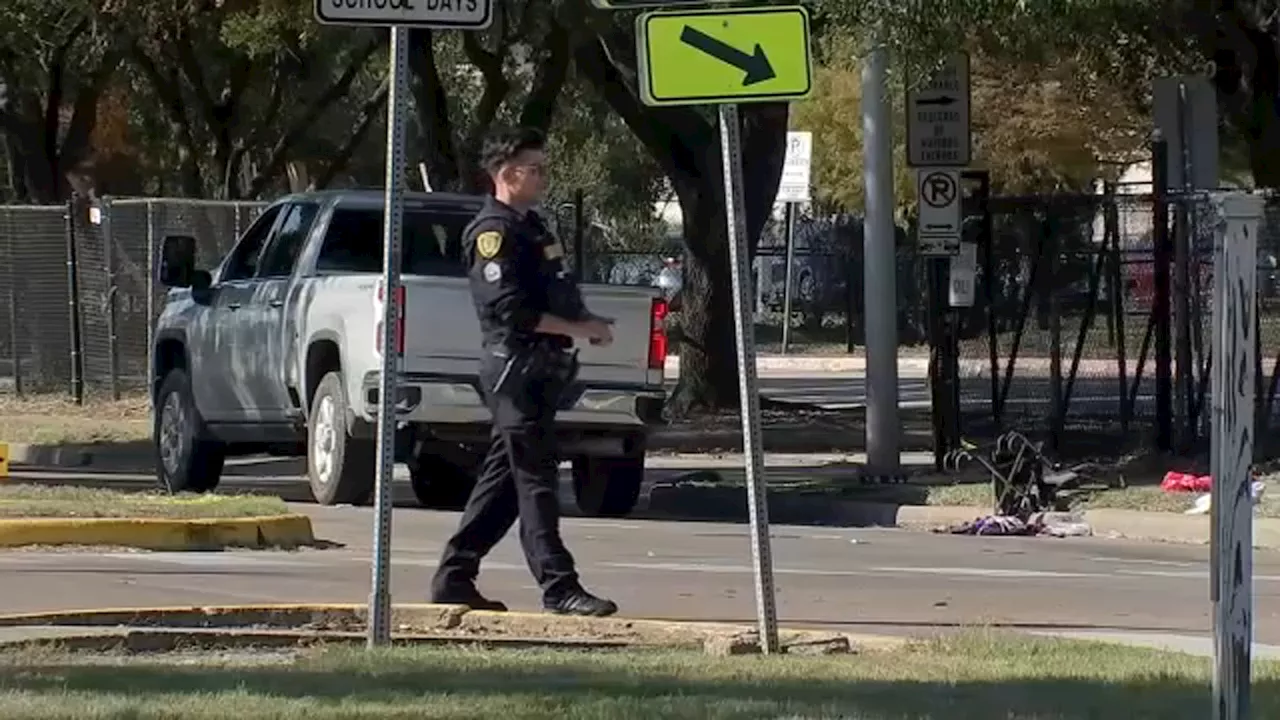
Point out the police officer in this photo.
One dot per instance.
(530, 314)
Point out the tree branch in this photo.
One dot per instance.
(496, 85)
(84, 113)
(432, 103)
(340, 87)
(552, 73)
(166, 89)
(653, 127)
(369, 112)
(57, 90)
(191, 68)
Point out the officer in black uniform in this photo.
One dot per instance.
(530, 313)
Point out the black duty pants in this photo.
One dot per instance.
(518, 479)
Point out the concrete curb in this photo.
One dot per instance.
(211, 640)
(80, 454)
(436, 623)
(284, 531)
(140, 456)
(775, 441)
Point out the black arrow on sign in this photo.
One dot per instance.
(756, 66)
(944, 100)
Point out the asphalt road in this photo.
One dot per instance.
(856, 580)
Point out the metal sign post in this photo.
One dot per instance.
(880, 270)
(389, 388)
(399, 17)
(1235, 306)
(726, 57)
(744, 323)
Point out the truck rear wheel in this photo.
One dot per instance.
(608, 486)
(186, 460)
(340, 467)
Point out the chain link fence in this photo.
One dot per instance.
(80, 292)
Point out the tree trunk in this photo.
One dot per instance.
(708, 355)
(708, 348)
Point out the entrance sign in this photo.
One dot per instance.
(938, 123)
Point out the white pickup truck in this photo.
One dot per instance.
(276, 350)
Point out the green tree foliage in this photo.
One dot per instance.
(57, 58)
(1038, 128)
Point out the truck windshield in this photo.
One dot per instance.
(432, 242)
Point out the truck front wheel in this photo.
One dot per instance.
(608, 486)
(186, 460)
(340, 467)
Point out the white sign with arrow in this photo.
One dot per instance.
(938, 132)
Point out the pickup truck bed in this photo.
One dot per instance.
(277, 349)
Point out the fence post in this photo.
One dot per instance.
(990, 276)
(73, 307)
(109, 267)
(579, 234)
(1058, 399)
(1162, 247)
(850, 302)
(15, 352)
(151, 295)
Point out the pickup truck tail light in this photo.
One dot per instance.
(658, 335)
(377, 319)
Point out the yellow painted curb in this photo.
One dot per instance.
(283, 531)
(409, 619)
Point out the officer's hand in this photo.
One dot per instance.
(598, 332)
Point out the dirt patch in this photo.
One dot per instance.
(61, 501)
(57, 419)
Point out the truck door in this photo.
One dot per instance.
(225, 353)
(273, 325)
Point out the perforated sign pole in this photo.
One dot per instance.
(1235, 306)
(757, 503)
(388, 391)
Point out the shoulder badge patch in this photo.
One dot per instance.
(554, 251)
(492, 271)
(489, 243)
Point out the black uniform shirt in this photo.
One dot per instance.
(516, 274)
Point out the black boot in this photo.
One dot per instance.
(469, 597)
(580, 602)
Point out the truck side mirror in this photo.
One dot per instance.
(178, 261)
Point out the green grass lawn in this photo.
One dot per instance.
(61, 501)
(976, 676)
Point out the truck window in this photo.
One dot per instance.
(279, 257)
(242, 264)
(432, 242)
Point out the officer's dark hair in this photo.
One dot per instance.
(504, 145)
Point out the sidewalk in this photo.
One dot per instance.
(915, 366)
